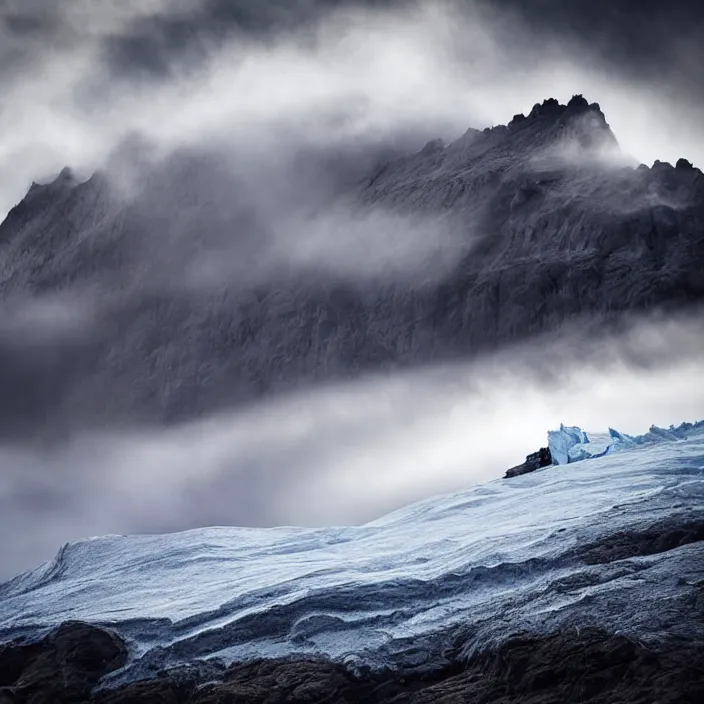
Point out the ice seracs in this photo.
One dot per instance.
(572, 444)
(569, 444)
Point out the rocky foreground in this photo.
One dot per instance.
(582, 666)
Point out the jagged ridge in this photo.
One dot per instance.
(548, 229)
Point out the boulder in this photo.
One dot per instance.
(536, 460)
(63, 667)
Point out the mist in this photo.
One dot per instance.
(345, 453)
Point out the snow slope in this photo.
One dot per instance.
(406, 591)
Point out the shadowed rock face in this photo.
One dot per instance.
(548, 227)
(534, 461)
(589, 666)
(655, 539)
(63, 667)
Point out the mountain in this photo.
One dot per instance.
(581, 582)
(179, 285)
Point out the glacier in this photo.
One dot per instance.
(572, 444)
(566, 547)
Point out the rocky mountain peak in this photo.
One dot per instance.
(578, 119)
(552, 110)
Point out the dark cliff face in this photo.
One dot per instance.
(548, 225)
(564, 229)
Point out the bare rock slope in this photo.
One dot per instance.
(549, 225)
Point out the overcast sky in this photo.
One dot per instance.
(80, 76)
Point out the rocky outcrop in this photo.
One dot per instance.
(63, 667)
(587, 665)
(536, 460)
(662, 536)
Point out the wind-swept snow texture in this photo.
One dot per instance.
(613, 542)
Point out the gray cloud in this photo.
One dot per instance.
(78, 78)
(155, 45)
(151, 38)
(345, 453)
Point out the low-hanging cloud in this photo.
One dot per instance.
(345, 453)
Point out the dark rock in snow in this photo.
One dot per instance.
(536, 460)
(649, 541)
